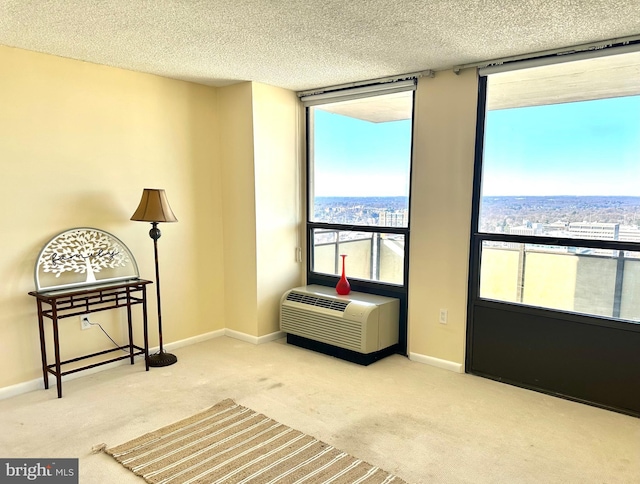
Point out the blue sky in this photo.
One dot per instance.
(580, 148)
(359, 158)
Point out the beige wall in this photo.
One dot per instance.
(79, 143)
(276, 121)
(441, 193)
(239, 206)
(259, 133)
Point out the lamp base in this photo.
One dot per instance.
(162, 359)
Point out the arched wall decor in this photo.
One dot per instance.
(83, 256)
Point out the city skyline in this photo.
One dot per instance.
(495, 211)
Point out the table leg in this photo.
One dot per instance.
(144, 326)
(43, 346)
(129, 324)
(56, 345)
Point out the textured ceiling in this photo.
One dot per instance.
(301, 45)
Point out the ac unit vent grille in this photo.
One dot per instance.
(321, 302)
(332, 330)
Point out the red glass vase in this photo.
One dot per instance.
(343, 287)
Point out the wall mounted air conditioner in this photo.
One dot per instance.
(359, 322)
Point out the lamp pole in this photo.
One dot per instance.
(155, 208)
(161, 358)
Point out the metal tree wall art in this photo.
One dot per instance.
(83, 256)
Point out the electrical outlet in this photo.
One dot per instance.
(443, 316)
(84, 322)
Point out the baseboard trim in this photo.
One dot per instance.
(437, 362)
(190, 341)
(20, 388)
(38, 384)
(256, 340)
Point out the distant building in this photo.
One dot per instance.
(527, 229)
(629, 233)
(555, 226)
(594, 230)
(396, 218)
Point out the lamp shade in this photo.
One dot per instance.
(154, 207)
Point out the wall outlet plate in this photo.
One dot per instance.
(443, 316)
(84, 322)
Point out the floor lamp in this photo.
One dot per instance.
(155, 208)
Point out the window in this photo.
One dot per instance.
(359, 154)
(559, 205)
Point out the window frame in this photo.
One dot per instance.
(479, 237)
(586, 358)
(399, 291)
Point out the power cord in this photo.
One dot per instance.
(86, 319)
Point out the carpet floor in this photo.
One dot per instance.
(421, 423)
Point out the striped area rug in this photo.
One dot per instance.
(229, 443)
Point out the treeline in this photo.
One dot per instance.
(514, 211)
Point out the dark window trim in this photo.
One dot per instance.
(473, 289)
(477, 237)
(373, 287)
(561, 241)
(601, 321)
(359, 228)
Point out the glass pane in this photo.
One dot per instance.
(360, 161)
(370, 256)
(630, 298)
(562, 151)
(588, 281)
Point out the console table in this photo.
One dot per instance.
(59, 304)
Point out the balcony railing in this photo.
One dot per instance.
(600, 282)
(371, 256)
